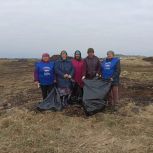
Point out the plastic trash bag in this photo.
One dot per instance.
(94, 97)
(52, 102)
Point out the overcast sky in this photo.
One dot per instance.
(30, 27)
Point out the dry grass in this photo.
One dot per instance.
(25, 131)
(137, 69)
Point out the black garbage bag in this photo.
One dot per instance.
(52, 102)
(94, 97)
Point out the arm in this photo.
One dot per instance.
(101, 69)
(58, 72)
(54, 73)
(117, 70)
(84, 68)
(98, 71)
(71, 70)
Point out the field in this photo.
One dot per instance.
(24, 130)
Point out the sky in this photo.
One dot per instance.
(29, 28)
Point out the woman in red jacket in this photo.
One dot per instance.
(79, 66)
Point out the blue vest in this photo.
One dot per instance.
(45, 72)
(108, 67)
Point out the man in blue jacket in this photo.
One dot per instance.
(44, 74)
(111, 70)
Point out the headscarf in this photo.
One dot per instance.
(77, 52)
(63, 51)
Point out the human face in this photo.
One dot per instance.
(64, 56)
(90, 54)
(110, 55)
(46, 58)
(77, 56)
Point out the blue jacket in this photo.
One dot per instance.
(44, 73)
(63, 67)
(110, 68)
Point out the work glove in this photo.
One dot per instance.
(83, 77)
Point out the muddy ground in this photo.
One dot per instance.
(17, 88)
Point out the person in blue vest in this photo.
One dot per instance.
(110, 68)
(44, 75)
(64, 72)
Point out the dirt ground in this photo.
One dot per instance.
(24, 130)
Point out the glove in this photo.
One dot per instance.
(111, 79)
(83, 77)
(66, 76)
(97, 75)
(69, 76)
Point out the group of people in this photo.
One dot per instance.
(69, 75)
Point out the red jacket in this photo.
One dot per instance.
(78, 71)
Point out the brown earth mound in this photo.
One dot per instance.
(149, 59)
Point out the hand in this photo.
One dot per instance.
(69, 76)
(111, 79)
(83, 77)
(37, 83)
(66, 75)
(97, 75)
(100, 76)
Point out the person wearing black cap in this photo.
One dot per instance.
(92, 65)
(64, 72)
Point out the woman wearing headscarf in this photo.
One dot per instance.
(64, 72)
(44, 75)
(79, 67)
(111, 70)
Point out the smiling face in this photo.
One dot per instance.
(90, 54)
(64, 56)
(77, 56)
(45, 58)
(110, 55)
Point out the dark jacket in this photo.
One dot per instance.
(92, 67)
(63, 67)
(111, 68)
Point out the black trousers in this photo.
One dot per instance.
(46, 89)
(77, 93)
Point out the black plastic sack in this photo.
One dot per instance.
(94, 98)
(52, 102)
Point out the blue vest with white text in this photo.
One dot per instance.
(45, 72)
(108, 67)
